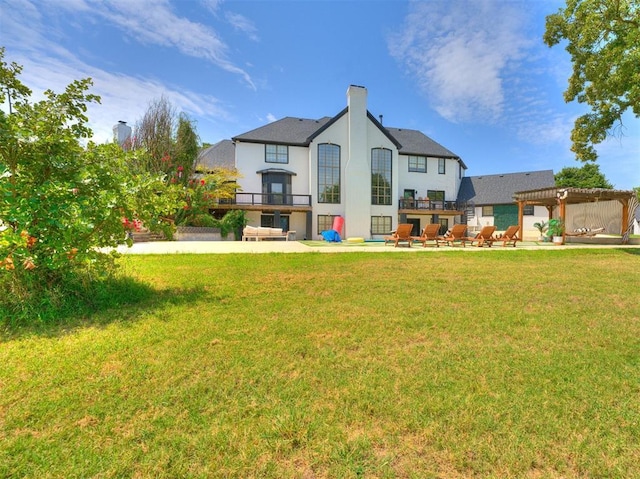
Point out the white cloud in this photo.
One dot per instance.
(459, 52)
(147, 21)
(123, 97)
(243, 24)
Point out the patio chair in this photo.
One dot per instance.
(485, 236)
(456, 235)
(429, 233)
(401, 235)
(509, 237)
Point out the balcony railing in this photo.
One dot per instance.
(269, 199)
(411, 204)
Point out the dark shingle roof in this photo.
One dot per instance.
(499, 189)
(288, 131)
(220, 155)
(415, 142)
(301, 131)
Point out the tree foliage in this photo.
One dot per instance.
(61, 202)
(588, 176)
(171, 141)
(186, 146)
(603, 39)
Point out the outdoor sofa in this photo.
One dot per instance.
(259, 233)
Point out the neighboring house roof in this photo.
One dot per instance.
(499, 189)
(301, 131)
(220, 155)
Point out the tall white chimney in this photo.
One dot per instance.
(121, 132)
(357, 168)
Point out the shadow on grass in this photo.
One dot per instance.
(116, 300)
(631, 251)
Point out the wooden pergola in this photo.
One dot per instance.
(561, 197)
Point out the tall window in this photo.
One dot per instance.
(380, 225)
(442, 168)
(328, 173)
(276, 154)
(380, 176)
(418, 164)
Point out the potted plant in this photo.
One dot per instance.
(556, 230)
(542, 227)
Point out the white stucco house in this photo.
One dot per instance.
(299, 174)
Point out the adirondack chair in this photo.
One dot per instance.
(456, 235)
(485, 236)
(509, 237)
(429, 233)
(401, 235)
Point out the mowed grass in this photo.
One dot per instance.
(522, 364)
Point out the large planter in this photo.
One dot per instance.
(200, 233)
(557, 240)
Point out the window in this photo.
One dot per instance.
(459, 171)
(325, 222)
(487, 211)
(442, 166)
(269, 221)
(444, 225)
(380, 176)
(380, 225)
(328, 173)
(527, 210)
(276, 154)
(435, 195)
(418, 164)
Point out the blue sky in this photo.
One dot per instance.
(474, 75)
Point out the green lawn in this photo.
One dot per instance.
(522, 364)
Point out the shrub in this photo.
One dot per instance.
(62, 204)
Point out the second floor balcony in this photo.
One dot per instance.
(278, 201)
(267, 201)
(409, 205)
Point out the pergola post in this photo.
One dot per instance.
(521, 205)
(562, 215)
(625, 219)
(550, 211)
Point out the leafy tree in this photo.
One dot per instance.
(170, 139)
(588, 176)
(186, 147)
(61, 202)
(202, 194)
(154, 133)
(603, 39)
